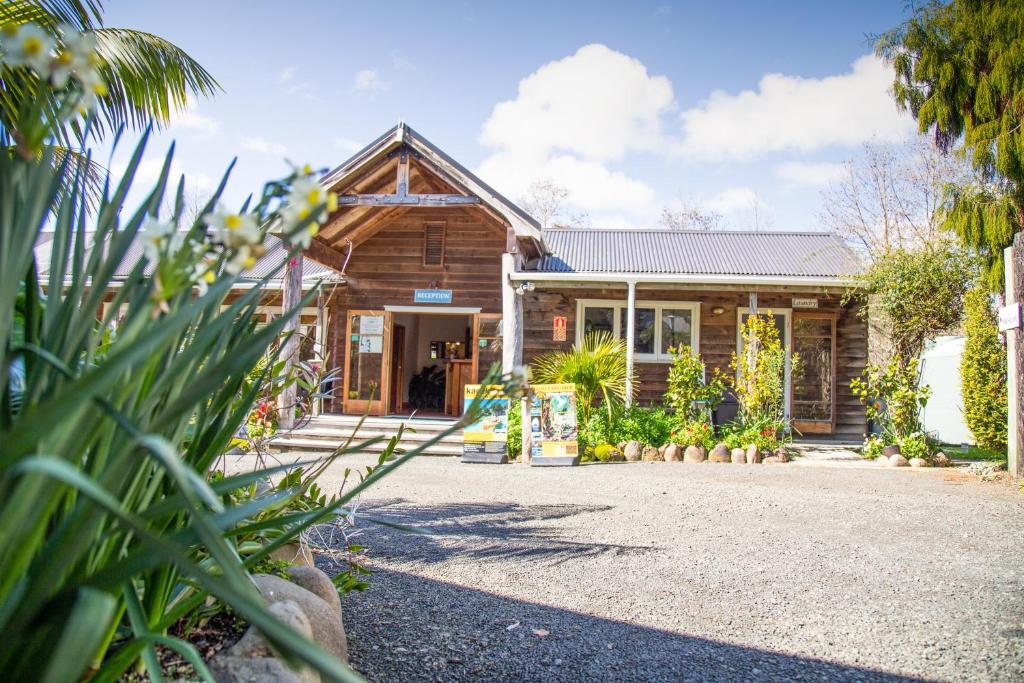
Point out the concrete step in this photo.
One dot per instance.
(328, 432)
(299, 443)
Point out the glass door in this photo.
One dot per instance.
(814, 372)
(486, 343)
(367, 359)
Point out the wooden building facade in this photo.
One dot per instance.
(443, 277)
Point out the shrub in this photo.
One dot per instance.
(760, 368)
(690, 393)
(983, 373)
(914, 446)
(598, 369)
(697, 433)
(606, 452)
(514, 436)
(872, 447)
(892, 398)
(764, 433)
(649, 426)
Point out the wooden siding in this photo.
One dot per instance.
(388, 267)
(717, 335)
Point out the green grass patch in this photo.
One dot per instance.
(973, 453)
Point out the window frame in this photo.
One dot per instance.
(658, 306)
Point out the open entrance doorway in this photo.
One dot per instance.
(405, 361)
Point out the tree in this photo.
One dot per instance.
(913, 296)
(958, 71)
(144, 78)
(688, 216)
(889, 196)
(545, 200)
(598, 369)
(983, 373)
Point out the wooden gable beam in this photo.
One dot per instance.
(402, 196)
(321, 252)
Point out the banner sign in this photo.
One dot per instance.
(560, 326)
(553, 425)
(484, 441)
(432, 296)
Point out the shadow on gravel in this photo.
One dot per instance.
(409, 628)
(482, 531)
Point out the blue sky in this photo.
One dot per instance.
(630, 106)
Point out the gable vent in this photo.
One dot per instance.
(433, 244)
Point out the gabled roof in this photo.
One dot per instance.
(452, 171)
(793, 255)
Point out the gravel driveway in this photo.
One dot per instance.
(667, 571)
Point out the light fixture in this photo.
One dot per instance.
(718, 310)
(527, 286)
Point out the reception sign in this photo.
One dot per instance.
(553, 425)
(484, 441)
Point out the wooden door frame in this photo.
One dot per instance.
(393, 363)
(360, 406)
(817, 426)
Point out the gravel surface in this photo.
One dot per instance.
(668, 571)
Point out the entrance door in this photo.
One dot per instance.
(486, 343)
(814, 372)
(367, 355)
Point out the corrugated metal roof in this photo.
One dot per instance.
(274, 257)
(691, 252)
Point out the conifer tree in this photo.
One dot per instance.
(983, 373)
(960, 71)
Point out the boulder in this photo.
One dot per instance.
(651, 454)
(782, 454)
(739, 456)
(919, 462)
(633, 450)
(940, 459)
(621, 446)
(328, 631)
(673, 453)
(251, 659)
(317, 583)
(694, 454)
(897, 460)
(890, 451)
(753, 455)
(662, 451)
(720, 453)
(296, 553)
(771, 460)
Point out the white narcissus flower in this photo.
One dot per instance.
(158, 237)
(244, 258)
(28, 45)
(233, 229)
(203, 275)
(307, 196)
(75, 57)
(92, 87)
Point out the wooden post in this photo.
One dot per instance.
(291, 294)
(630, 337)
(512, 340)
(1014, 447)
(320, 345)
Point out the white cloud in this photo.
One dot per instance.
(193, 121)
(348, 145)
(794, 113)
(808, 173)
(571, 118)
(264, 146)
(731, 200)
(368, 81)
(597, 104)
(287, 74)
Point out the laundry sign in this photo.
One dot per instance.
(809, 302)
(1009, 317)
(432, 296)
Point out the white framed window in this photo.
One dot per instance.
(784, 324)
(657, 325)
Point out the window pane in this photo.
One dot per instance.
(676, 328)
(643, 329)
(780, 325)
(598, 320)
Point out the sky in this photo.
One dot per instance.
(744, 108)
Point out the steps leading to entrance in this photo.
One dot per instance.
(328, 432)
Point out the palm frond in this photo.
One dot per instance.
(597, 367)
(82, 14)
(149, 78)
